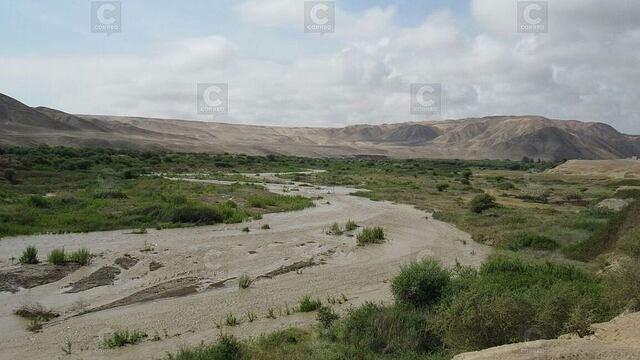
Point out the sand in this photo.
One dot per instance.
(196, 287)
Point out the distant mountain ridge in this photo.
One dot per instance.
(495, 137)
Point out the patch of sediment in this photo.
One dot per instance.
(30, 276)
(168, 289)
(126, 262)
(288, 268)
(101, 277)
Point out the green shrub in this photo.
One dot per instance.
(10, 175)
(244, 281)
(442, 187)
(335, 229)
(370, 236)
(123, 338)
(537, 242)
(231, 320)
(29, 256)
(420, 284)
(481, 203)
(130, 174)
(512, 299)
(81, 257)
(197, 215)
(308, 305)
(389, 330)
(39, 202)
(350, 225)
(118, 195)
(227, 348)
(56, 257)
(326, 316)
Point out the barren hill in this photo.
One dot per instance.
(498, 137)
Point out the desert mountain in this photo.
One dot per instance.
(497, 137)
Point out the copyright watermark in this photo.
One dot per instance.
(319, 17)
(213, 98)
(426, 99)
(533, 16)
(106, 17)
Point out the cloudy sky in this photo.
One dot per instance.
(585, 67)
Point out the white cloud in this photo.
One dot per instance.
(586, 68)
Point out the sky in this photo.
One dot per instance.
(580, 61)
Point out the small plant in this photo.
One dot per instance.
(35, 324)
(265, 227)
(246, 229)
(287, 310)
(123, 338)
(326, 316)
(56, 257)
(81, 257)
(67, 347)
(35, 311)
(140, 231)
(271, 313)
(308, 305)
(335, 229)
(371, 236)
(244, 281)
(481, 203)
(231, 320)
(350, 225)
(29, 256)
(251, 316)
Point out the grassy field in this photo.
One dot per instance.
(48, 195)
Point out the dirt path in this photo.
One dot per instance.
(196, 287)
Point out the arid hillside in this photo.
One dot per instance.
(497, 137)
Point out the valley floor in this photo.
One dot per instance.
(183, 302)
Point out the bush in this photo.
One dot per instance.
(35, 311)
(244, 281)
(335, 229)
(537, 242)
(123, 338)
(265, 227)
(39, 202)
(29, 256)
(130, 174)
(370, 236)
(227, 348)
(110, 195)
(442, 187)
(10, 175)
(389, 330)
(512, 299)
(326, 316)
(308, 305)
(56, 257)
(420, 284)
(481, 203)
(197, 215)
(350, 225)
(81, 257)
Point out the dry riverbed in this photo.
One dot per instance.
(178, 285)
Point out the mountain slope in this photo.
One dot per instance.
(496, 137)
